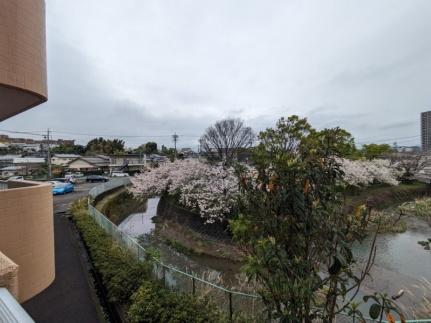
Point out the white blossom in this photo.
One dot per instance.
(366, 172)
(211, 190)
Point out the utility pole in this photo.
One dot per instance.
(48, 154)
(175, 139)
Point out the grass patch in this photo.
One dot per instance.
(174, 244)
(185, 240)
(384, 196)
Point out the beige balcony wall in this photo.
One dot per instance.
(27, 234)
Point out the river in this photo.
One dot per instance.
(401, 262)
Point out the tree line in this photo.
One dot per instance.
(223, 142)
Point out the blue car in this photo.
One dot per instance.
(61, 188)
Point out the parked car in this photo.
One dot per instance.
(97, 178)
(75, 174)
(70, 178)
(15, 178)
(61, 188)
(119, 174)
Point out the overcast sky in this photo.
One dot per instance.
(155, 67)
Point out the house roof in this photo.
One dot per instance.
(7, 157)
(12, 168)
(28, 160)
(66, 155)
(95, 161)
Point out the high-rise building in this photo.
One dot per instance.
(426, 131)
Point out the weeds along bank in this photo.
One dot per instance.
(130, 285)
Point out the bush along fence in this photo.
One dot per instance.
(234, 303)
(129, 283)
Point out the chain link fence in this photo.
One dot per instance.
(230, 301)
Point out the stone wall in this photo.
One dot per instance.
(9, 275)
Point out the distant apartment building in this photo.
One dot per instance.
(27, 263)
(29, 143)
(426, 131)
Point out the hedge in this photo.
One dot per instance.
(129, 281)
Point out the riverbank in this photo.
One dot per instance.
(119, 204)
(187, 241)
(184, 231)
(383, 196)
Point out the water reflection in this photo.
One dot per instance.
(141, 223)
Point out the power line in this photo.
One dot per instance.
(119, 135)
(33, 133)
(40, 134)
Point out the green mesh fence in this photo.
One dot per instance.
(232, 302)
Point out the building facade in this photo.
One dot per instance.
(22, 56)
(426, 131)
(26, 208)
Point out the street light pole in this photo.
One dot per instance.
(48, 155)
(175, 139)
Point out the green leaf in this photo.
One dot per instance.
(375, 311)
(335, 267)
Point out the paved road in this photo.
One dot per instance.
(63, 202)
(71, 297)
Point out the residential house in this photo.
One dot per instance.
(87, 164)
(7, 160)
(63, 159)
(12, 171)
(128, 162)
(31, 164)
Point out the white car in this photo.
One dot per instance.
(119, 174)
(70, 178)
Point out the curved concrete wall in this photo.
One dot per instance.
(27, 234)
(22, 56)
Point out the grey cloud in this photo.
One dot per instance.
(167, 67)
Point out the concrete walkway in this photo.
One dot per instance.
(71, 297)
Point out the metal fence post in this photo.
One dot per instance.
(164, 276)
(194, 285)
(230, 306)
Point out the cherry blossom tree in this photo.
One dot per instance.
(366, 172)
(210, 190)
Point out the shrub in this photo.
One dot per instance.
(128, 280)
(153, 303)
(120, 272)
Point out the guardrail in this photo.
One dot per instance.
(229, 300)
(112, 184)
